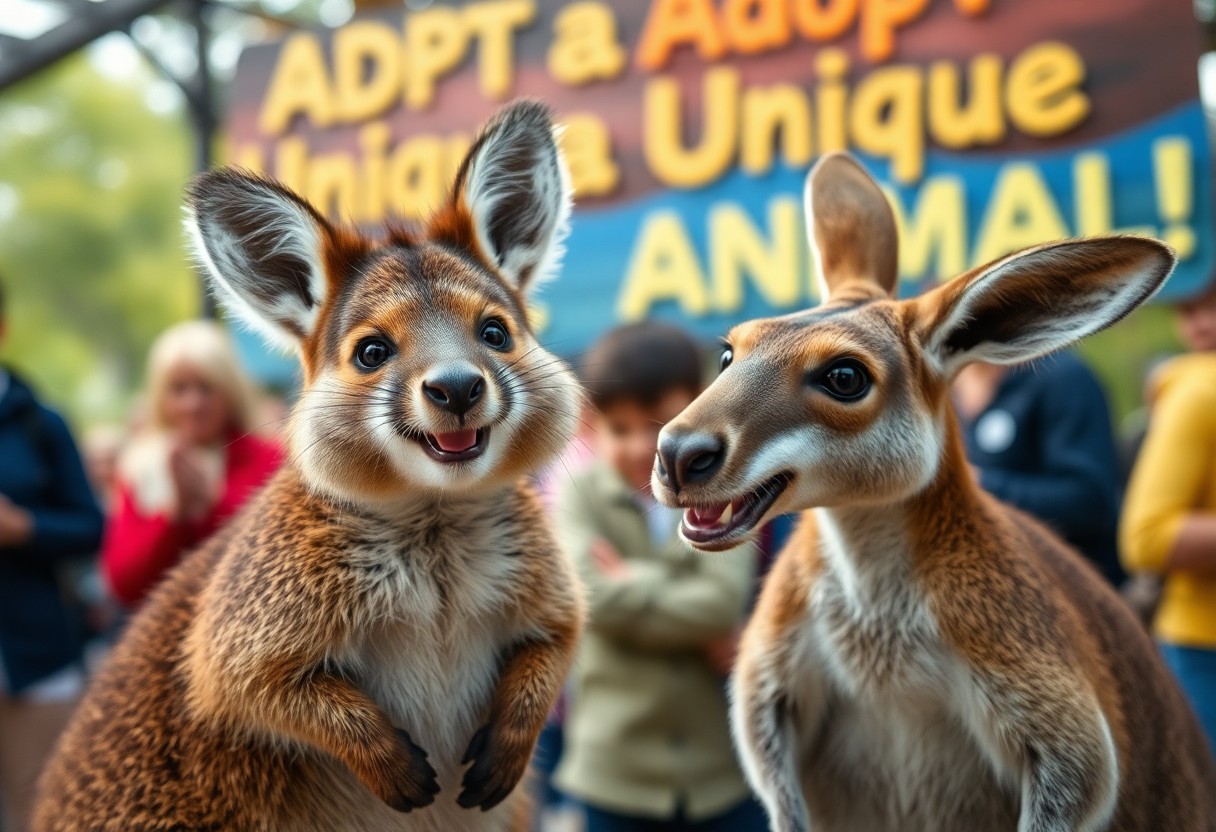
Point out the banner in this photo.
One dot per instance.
(690, 124)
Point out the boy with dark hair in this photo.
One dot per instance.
(647, 738)
(47, 513)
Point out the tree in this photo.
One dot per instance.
(90, 232)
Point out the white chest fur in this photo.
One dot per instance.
(894, 750)
(436, 614)
(439, 598)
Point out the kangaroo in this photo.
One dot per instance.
(375, 641)
(923, 657)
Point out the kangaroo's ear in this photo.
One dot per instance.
(851, 229)
(263, 250)
(514, 190)
(1040, 300)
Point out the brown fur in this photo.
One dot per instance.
(923, 657)
(375, 641)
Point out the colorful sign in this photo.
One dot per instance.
(689, 125)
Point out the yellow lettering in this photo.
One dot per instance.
(737, 247)
(367, 69)
(495, 24)
(1021, 213)
(830, 98)
(585, 46)
(436, 41)
(299, 86)
(663, 267)
(980, 121)
(885, 119)
(332, 185)
(417, 177)
(771, 113)
(663, 144)
(1043, 92)
(373, 141)
(587, 145)
(936, 231)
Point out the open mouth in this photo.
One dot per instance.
(454, 446)
(719, 525)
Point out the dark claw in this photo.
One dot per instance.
(422, 772)
(487, 782)
(477, 745)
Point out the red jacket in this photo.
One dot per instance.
(138, 549)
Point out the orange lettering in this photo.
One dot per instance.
(674, 23)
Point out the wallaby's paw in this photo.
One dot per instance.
(414, 781)
(498, 766)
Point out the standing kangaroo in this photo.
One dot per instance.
(375, 641)
(924, 658)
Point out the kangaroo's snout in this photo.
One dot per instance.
(687, 457)
(455, 387)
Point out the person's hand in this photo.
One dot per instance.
(608, 560)
(194, 498)
(16, 524)
(721, 652)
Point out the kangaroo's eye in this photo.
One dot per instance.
(370, 353)
(728, 355)
(846, 380)
(495, 335)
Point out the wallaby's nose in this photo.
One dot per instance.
(687, 458)
(454, 387)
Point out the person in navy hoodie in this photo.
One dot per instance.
(47, 513)
(1039, 437)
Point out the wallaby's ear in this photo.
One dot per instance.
(262, 248)
(1040, 300)
(516, 193)
(851, 229)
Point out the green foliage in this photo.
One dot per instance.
(90, 233)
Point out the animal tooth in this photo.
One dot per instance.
(727, 513)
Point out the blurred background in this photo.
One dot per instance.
(96, 143)
(688, 126)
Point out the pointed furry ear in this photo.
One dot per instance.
(262, 248)
(1040, 300)
(516, 190)
(851, 228)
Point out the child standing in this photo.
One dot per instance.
(648, 743)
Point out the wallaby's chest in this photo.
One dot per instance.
(440, 610)
(893, 751)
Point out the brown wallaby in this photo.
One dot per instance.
(924, 658)
(375, 641)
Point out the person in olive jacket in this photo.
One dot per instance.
(647, 738)
(47, 513)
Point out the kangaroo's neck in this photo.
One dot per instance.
(868, 546)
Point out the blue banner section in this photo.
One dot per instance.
(736, 250)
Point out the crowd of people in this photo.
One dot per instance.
(641, 739)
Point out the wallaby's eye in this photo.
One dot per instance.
(495, 335)
(728, 355)
(370, 353)
(846, 380)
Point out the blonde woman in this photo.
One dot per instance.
(192, 466)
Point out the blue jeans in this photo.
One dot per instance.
(1195, 670)
(748, 816)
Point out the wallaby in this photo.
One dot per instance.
(922, 656)
(392, 607)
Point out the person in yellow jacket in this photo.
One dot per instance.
(1169, 515)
